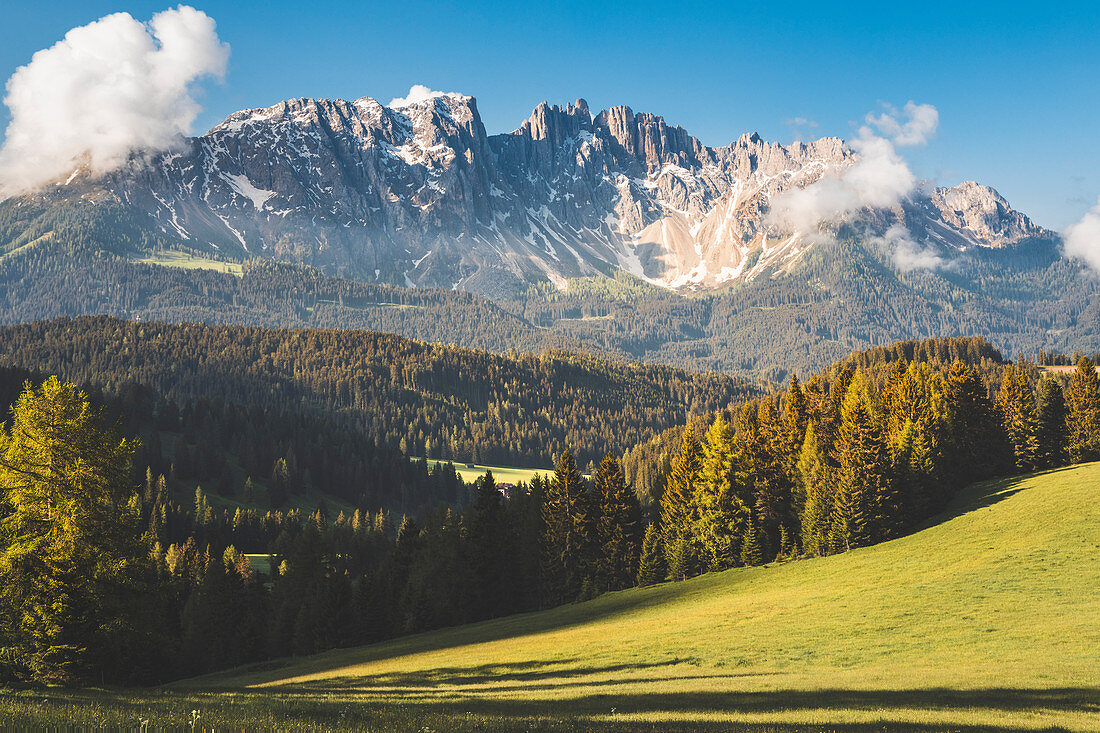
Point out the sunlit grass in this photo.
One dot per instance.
(988, 619)
(501, 474)
(183, 260)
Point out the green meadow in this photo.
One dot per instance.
(192, 262)
(502, 474)
(988, 619)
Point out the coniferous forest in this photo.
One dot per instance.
(302, 534)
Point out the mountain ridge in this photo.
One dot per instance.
(421, 195)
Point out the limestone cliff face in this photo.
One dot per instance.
(421, 195)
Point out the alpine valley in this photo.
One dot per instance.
(612, 232)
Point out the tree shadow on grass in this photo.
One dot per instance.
(983, 494)
(529, 624)
(603, 708)
(705, 711)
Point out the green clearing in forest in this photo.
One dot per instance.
(502, 474)
(191, 262)
(989, 619)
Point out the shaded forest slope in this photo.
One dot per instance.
(424, 399)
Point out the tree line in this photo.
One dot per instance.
(844, 463)
(105, 579)
(150, 589)
(423, 399)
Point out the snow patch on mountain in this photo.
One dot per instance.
(245, 187)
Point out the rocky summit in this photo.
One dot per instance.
(419, 195)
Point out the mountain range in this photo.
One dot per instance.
(419, 195)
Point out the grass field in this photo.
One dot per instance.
(987, 620)
(191, 262)
(502, 474)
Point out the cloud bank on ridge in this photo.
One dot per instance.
(106, 90)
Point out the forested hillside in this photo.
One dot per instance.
(858, 454)
(852, 458)
(226, 463)
(423, 399)
(647, 464)
(843, 296)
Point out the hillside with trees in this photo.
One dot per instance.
(74, 260)
(853, 457)
(423, 399)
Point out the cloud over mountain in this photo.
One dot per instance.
(1082, 240)
(880, 178)
(417, 93)
(106, 90)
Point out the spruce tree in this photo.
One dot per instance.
(751, 552)
(772, 478)
(618, 527)
(677, 504)
(976, 445)
(1053, 433)
(1083, 399)
(795, 419)
(567, 540)
(866, 495)
(490, 550)
(1019, 420)
(651, 566)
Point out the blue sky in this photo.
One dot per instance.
(1017, 85)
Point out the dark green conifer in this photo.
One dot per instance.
(1083, 400)
(567, 541)
(618, 527)
(751, 552)
(651, 566)
(1053, 431)
(1019, 420)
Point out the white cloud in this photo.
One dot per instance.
(1081, 241)
(923, 119)
(879, 178)
(907, 254)
(417, 93)
(108, 89)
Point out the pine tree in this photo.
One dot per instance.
(976, 446)
(490, 552)
(751, 552)
(618, 526)
(915, 418)
(651, 566)
(1053, 417)
(1083, 399)
(676, 501)
(866, 496)
(566, 540)
(772, 478)
(72, 566)
(677, 506)
(720, 515)
(1019, 420)
(795, 420)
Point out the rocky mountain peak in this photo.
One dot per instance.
(417, 193)
(983, 215)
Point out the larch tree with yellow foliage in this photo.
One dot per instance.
(71, 557)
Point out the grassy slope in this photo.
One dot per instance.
(987, 620)
(192, 262)
(501, 474)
